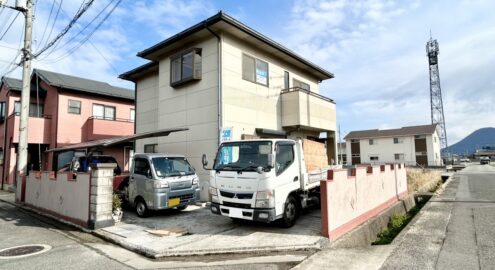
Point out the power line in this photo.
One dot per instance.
(47, 22)
(10, 25)
(66, 29)
(73, 49)
(54, 21)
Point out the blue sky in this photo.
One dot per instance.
(376, 49)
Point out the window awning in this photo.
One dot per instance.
(116, 140)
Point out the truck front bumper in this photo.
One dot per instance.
(261, 215)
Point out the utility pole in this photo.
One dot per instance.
(26, 8)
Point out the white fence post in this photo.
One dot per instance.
(101, 191)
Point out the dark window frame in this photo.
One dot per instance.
(396, 140)
(195, 75)
(286, 80)
(104, 109)
(371, 141)
(69, 107)
(256, 60)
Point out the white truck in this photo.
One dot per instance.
(262, 180)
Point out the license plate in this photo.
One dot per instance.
(235, 213)
(173, 202)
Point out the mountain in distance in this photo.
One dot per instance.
(472, 142)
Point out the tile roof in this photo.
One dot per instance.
(404, 131)
(84, 85)
(13, 84)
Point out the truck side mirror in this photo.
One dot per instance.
(204, 161)
(148, 174)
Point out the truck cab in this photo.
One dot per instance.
(161, 181)
(261, 180)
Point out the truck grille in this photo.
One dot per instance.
(183, 198)
(237, 205)
(236, 195)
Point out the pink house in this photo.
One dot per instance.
(63, 110)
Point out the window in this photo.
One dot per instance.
(374, 158)
(2, 111)
(142, 166)
(354, 140)
(74, 106)
(17, 108)
(284, 157)
(103, 112)
(150, 148)
(185, 67)
(299, 84)
(372, 142)
(254, 70)
(36, 110)
(399, 156)
(286, 80)
(133, 115)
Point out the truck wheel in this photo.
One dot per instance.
(180, 208)
(141, 208)
(291, 212)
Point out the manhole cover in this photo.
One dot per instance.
(23, 251)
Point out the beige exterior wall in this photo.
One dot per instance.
(146, 109)
(238, 95)
(385, 149)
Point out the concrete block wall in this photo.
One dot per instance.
(101, 192)
(349, 197)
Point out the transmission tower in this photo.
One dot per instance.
(437, 116)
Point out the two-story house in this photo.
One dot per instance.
(413, 145)
(225, 81)
(63, 110)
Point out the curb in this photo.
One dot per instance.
(202, 252)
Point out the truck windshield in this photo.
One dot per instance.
(171, 166)
(246, 156)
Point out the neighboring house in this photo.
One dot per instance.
(342, 156)
(63, 110)
(225, 81)
(414, 145)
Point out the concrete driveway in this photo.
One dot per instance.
(212, 234)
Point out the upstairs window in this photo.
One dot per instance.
(254, 70)
(150, 148)
(372, 142)
(185, 67)
(299, 84)
(74, 106)
(35, 110)
(103, 112)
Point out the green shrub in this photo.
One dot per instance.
(116, 202)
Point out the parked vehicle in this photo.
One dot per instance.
(81, 163)
(262, 180)
(160, 181)
(484, 160)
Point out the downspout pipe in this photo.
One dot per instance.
(219, 66)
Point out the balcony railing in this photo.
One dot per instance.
(302, 108)
(39, 128)
(97, 128)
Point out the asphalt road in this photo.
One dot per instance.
(70, 249)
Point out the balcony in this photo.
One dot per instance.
(307, 110)
(39, 128)
(97, 128)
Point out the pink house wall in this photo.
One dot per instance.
(349, 198)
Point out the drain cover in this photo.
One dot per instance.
(23, 251)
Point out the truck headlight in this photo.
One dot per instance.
(195, 180)
(213, 191)
(214, 198)
(265, 199)
(160, 184)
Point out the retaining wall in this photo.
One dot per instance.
(349, 197)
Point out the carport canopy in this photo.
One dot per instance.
(116, 140)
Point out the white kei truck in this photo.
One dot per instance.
(262, 180)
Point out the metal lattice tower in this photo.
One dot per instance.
(437, 116)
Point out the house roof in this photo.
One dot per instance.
(131, 75)
(404, 131)
(13, 84)
(222, 21)
(83, 85)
